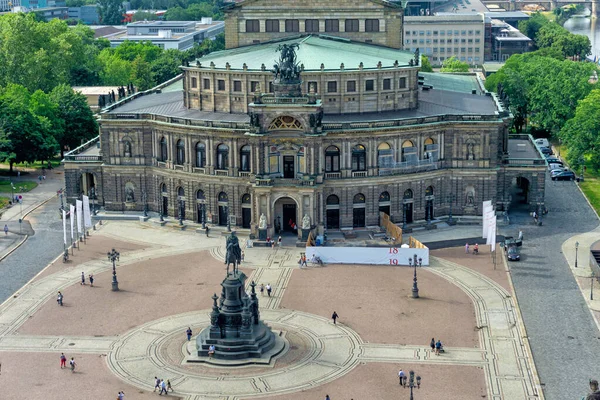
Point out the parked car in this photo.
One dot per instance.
(542, 143)
(554, 172)
(564, 176)
(546, 150)
(553, 160)
(555, 166)
(512, 253)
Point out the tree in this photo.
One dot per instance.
(167, 65)
(111, 11)
(115, 71)
(144, 16)
(580, 133)
(531, 26)
(47, 110)
(141, 74)
(425, 64)
(453, 64)
(79, 122)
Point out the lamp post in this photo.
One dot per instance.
(228, 219)
(113, 256)
(12, 193)
(413, 382)
(576, 248)
(145, 201)
(415, 262)
(203, 210)
(592, 286)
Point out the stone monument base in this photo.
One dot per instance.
(304, 235)
(262, 234)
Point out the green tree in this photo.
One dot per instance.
(425, 64)
(453, 64)
(79, 122)
(115, 71)
(580, 133)
(531, 26)
(129, 51)
(167, 65)
(141, 74)
(111, 11)
(47, 110)
(144, 16)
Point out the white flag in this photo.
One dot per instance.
(79, 216)
(72, 212)
(487, 206)
(491, 239)
(64, 215)
(87, 219)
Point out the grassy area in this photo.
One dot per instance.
(3, 201)
(26, 185)
(26, 167)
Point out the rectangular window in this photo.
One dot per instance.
(414, 41)
(476, 50)
(351, 86)
(470, 41)
(237, 86)
(371, 25)
(470, 32)
(477, 40)
(449, 49)
(402, 83)
(421, 33)
(478, 32)
(254, 86)
(463, 41)
(428, 33)
(470, 49)
(351, 25)
(272, 25)
(194, 83)
(220, 84)
(252, 25)
(455, 33)
(476, 58)
(407, 41)
(270, 87)
(449, 33)
(442, 33)
(462, 49)
(414, 33)
(311, 25)
(435, 41)
(292, 25)
(332, 25)
(407, 33)
(435, 50)
(332, 87)
(369, 85)
(442, 50)
(435, 33)
(313, 85)
(206, 84)
(442, 40)
(456, 40)
(463, 32)
(428, 41)
(387, 84)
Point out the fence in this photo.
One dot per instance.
(392, 230)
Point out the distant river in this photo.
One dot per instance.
(586, 26)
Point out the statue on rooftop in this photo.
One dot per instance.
(287, 68)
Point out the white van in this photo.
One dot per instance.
(542, 143)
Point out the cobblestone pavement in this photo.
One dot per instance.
(336, 350)
(563, 334)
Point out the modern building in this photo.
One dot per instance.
(8, 5)
(180, 35)
(89, 15)
(505, 40)
(444, 35)
(344, 131)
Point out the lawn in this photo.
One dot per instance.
(3, 202)
(26, 167)
(26, 185)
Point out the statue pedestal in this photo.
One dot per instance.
(262, 234)
(304, 235)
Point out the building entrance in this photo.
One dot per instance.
(288, 167)
(285, 214)
(289, 217)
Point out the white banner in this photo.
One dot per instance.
(72, 214)
(87, 218)
(64, 215)
(491, 239)
(79, 215)
(367, 255)
(486, 205)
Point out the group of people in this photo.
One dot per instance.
(271, 242)
(90, 277)
(475, 248)
(63, 362)
(268, 288)
(162, 386)
(436, 347)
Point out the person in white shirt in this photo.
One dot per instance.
(402, 378)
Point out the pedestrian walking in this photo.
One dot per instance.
(467, 248)
(82, 278)
(156, 383)
(262, 289)
(242, 257)
(432, 344)
(206, 229)
(189, 333)
(269, 289)
(59, 299)
(402, 378)
(520, 235)
(303, 260)
(476, 249)
(72, 363)
(121, 396)
(327, 397)
(279, 241)
(334, 317)
(5, 230)
(91, 278)
(438, 347)
(169, 385)
(163, 387)
(63, 361)
(272, 244)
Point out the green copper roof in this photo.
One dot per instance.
(313, 51)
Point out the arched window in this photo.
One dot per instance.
(223, 198)
(385, 156)
(180, 192)
(163, 189)
(384, 197)
(429, 191)
(127, 148)
(180, 152)
(430, 150)
(332, 159)
(408, 194)
(359, 199)
(163, 149)
(200, 155)
(409, 152)
(358, 211)
(285, 122)
(200, 196)
(333, 200)
(245, 158)
(359, 158)
(246, 199)
(222, 156)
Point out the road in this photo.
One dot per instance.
(38, 251)
(563, 335)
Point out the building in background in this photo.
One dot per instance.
(89, 15)
(179, 35)
(505, 40)
(8, 5)
(444, 35)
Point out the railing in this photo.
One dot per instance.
(410, 167)
(221, 172)
(199, 170)
(333, 175)
(161, 164)
(359, 174)
(284, 100)
(179, 167)
(76, 156)
(594, 260)
(263, 182)
(331, 126)
(245, 174)
(524, 162)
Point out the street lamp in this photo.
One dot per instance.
(413, 383)
(228, 219)
(113, 256)
(592, 286)
(576, 248)
(145, 200)
(415, 262)
(203, 209)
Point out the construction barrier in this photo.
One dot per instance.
(392, 230)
